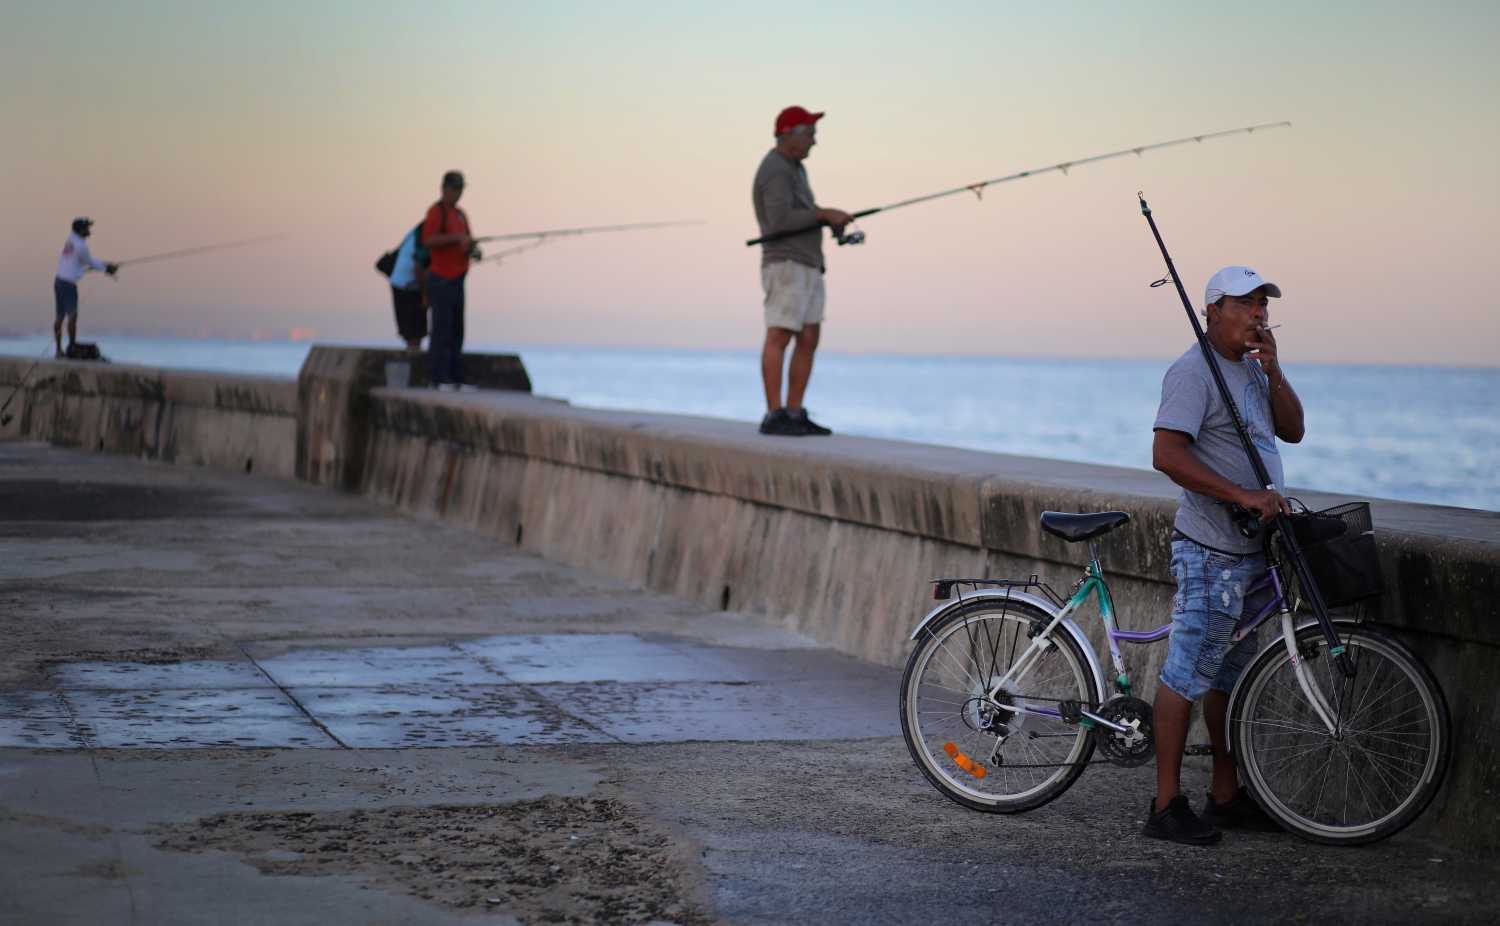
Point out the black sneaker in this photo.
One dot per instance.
(779, 423)
(808, 426)
(1239, 813)
(1178, 823)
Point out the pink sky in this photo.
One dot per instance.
(179, 124)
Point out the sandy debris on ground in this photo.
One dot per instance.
(551, 860)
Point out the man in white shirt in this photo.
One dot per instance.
(71, 266)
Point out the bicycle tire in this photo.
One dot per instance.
(1392, 746)
(935, 714)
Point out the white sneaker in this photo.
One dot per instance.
(447, 387)
(465, 387)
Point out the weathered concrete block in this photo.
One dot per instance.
(242, 423)
(333, 391)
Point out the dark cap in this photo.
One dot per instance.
(82, 223)
(453, 178)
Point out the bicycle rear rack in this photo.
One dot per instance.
(942, 589)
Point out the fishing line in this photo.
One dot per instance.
(978, 188)
(5, 417)
(498, 256)
(203, 249)
(587, 230)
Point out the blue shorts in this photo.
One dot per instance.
(67, 297)
(1209, 602)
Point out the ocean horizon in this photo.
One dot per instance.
(1426, 434)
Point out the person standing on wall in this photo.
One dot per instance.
(75, 261)
(791, 270)
(446, 234)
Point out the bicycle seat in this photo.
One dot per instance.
(1076, 527)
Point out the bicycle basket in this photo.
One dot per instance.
(1339, 545)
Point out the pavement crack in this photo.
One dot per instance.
(290, 697)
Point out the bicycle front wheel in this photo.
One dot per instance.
(1379, 768)
(973, 750)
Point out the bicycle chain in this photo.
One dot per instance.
(1091, 706)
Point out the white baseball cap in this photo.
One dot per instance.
(1237, 281)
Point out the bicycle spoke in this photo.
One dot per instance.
(1035, 756)
(1360, 783)
(1287, 726)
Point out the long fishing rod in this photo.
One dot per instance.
(6, 417)
(1309, 585)
(978, 188)
(588, 230)
(203, 249)
(499, 256)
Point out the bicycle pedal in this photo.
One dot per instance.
(1198, 749)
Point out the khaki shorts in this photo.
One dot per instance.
(794, 295)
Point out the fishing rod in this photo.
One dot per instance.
(588, 230)
(6, 417)
(204, 249)
(978, 188)
(499, 256)
(1246, 519)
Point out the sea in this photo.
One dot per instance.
(1415, 433)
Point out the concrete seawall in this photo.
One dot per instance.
(835, 538)
(242, 423)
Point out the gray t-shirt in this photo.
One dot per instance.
(1190, 403)
(784, 200)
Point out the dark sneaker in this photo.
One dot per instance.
(809, 427)
(1178, 823)
(1239, 813)
(779, 423)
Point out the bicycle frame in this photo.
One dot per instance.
(1092, 584)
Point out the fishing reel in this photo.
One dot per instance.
(1245, 521)
(850, 236)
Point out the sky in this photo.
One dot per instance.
(181, 124)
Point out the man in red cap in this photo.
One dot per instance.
(791, 269)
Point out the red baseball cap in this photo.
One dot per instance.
(793, 116)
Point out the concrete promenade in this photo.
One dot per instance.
(229, 698)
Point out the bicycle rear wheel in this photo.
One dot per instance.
(955, 734)
(1380, 768)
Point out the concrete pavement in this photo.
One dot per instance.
(232, 699)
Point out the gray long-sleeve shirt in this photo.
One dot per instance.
(784, 200)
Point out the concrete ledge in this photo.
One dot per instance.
(1431, 554)
(242, 423)
(333, 402)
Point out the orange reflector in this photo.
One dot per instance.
(963, 761)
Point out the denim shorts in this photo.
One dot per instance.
(1210, 600)
(66, 294)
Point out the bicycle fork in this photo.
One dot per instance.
(1311, 691)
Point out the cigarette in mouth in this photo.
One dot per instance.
(1269, 327)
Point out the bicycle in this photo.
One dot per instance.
(1004, 701)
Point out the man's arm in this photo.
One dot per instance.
(1286, 408)
(777, 200)
(1171, 454)
(92, 262)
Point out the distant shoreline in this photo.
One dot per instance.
(512, 347)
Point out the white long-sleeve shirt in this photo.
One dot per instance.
(76, 260)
